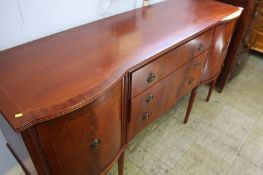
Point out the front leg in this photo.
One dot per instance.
(190, 104)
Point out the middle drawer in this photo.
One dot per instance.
(150, 104)
(151, 73)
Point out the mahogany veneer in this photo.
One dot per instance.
(72, 101)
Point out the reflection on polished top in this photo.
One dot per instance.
(60, 73)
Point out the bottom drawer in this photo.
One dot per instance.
(150, 104)
(86, 141)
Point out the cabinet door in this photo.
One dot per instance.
(86, 141)
(218, 49)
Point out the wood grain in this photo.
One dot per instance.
(165, 94)
(58, 74)
(169, 62)
(85, 141)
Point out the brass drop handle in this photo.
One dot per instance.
(146, 116)
(197, 64)
(149, 98)
(94, 144)
(200, 47)
(151, 77)
(190, 81)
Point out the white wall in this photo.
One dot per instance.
(8, 163)
(22, 21)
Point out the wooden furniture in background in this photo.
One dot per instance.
(72, 101)
(255, 34)
(236, 57)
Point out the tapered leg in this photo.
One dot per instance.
(121, 164)
(190, 104)
(212, 86)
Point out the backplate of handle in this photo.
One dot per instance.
(146, 116)
(94, 144)
(200, 47)
(149, 98)
(190, 81)
(151, 77)
(197, 63)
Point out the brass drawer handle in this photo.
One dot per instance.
(146, 116)
(151, 77)
(197, 64)
(190, 81)
(200, 47)
(149, 98)
(94, 144)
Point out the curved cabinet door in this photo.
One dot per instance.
(218, 49)
(86, 141)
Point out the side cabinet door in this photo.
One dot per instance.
(218, 49)
(86, 141)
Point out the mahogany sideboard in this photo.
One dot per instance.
(72, 101)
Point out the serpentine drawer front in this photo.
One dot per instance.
(71, 102)
(150, 104)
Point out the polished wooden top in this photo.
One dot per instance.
(54, 75)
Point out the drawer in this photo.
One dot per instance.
(148, 75)
(85, 141)
(150, 104)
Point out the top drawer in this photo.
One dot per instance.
(157, 69)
